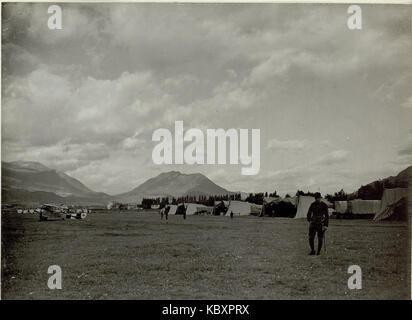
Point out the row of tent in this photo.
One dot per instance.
(391, 206)
(191, 209)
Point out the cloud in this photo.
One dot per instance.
(408, 103)
(332, 158)
(116, 72)
(406, 151)
(287, 144)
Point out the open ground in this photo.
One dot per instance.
(135, 255)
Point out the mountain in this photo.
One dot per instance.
(32, 182)
(27, 181)
(174, 184)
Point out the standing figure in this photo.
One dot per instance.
(319, 218)
(167, 212)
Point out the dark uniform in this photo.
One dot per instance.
(318, 217)
(167, 211)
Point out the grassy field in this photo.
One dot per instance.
(137, 256)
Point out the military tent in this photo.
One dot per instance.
(341, 206)
(393, 205)
(194, 208)
(271, 199)
(240, 208)
(226, 203)
(291, 200)
(364, 207)
(173, 209)
(219, 208)
(204, 210)
(303, 204)
(390, 196)
(281, 207)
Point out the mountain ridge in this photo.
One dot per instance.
(174, 184)
(25, 181)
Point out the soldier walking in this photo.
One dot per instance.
(319, 219)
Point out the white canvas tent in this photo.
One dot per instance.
(240, 208)
(291, 200)
(173, 209)
(272, 199)
(359, 206)
(193, 208)
(204, 210)
(303, 204)
(389, 198)
(341, 206)
(226, 203)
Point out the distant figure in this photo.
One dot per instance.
(161, 213)
(231, 214)
(319, 219)
(184, 212)
(167, 212)
(263, 210)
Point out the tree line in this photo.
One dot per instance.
(372, 191)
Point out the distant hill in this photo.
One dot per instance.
(24, 181)
(402, 180)
(374, 190)
(174, 184)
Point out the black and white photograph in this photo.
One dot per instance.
(206, 151)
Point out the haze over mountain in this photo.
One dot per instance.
(174, 184)
(24, 181)
(27, 181)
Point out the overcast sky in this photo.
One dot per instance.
(334, 105)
